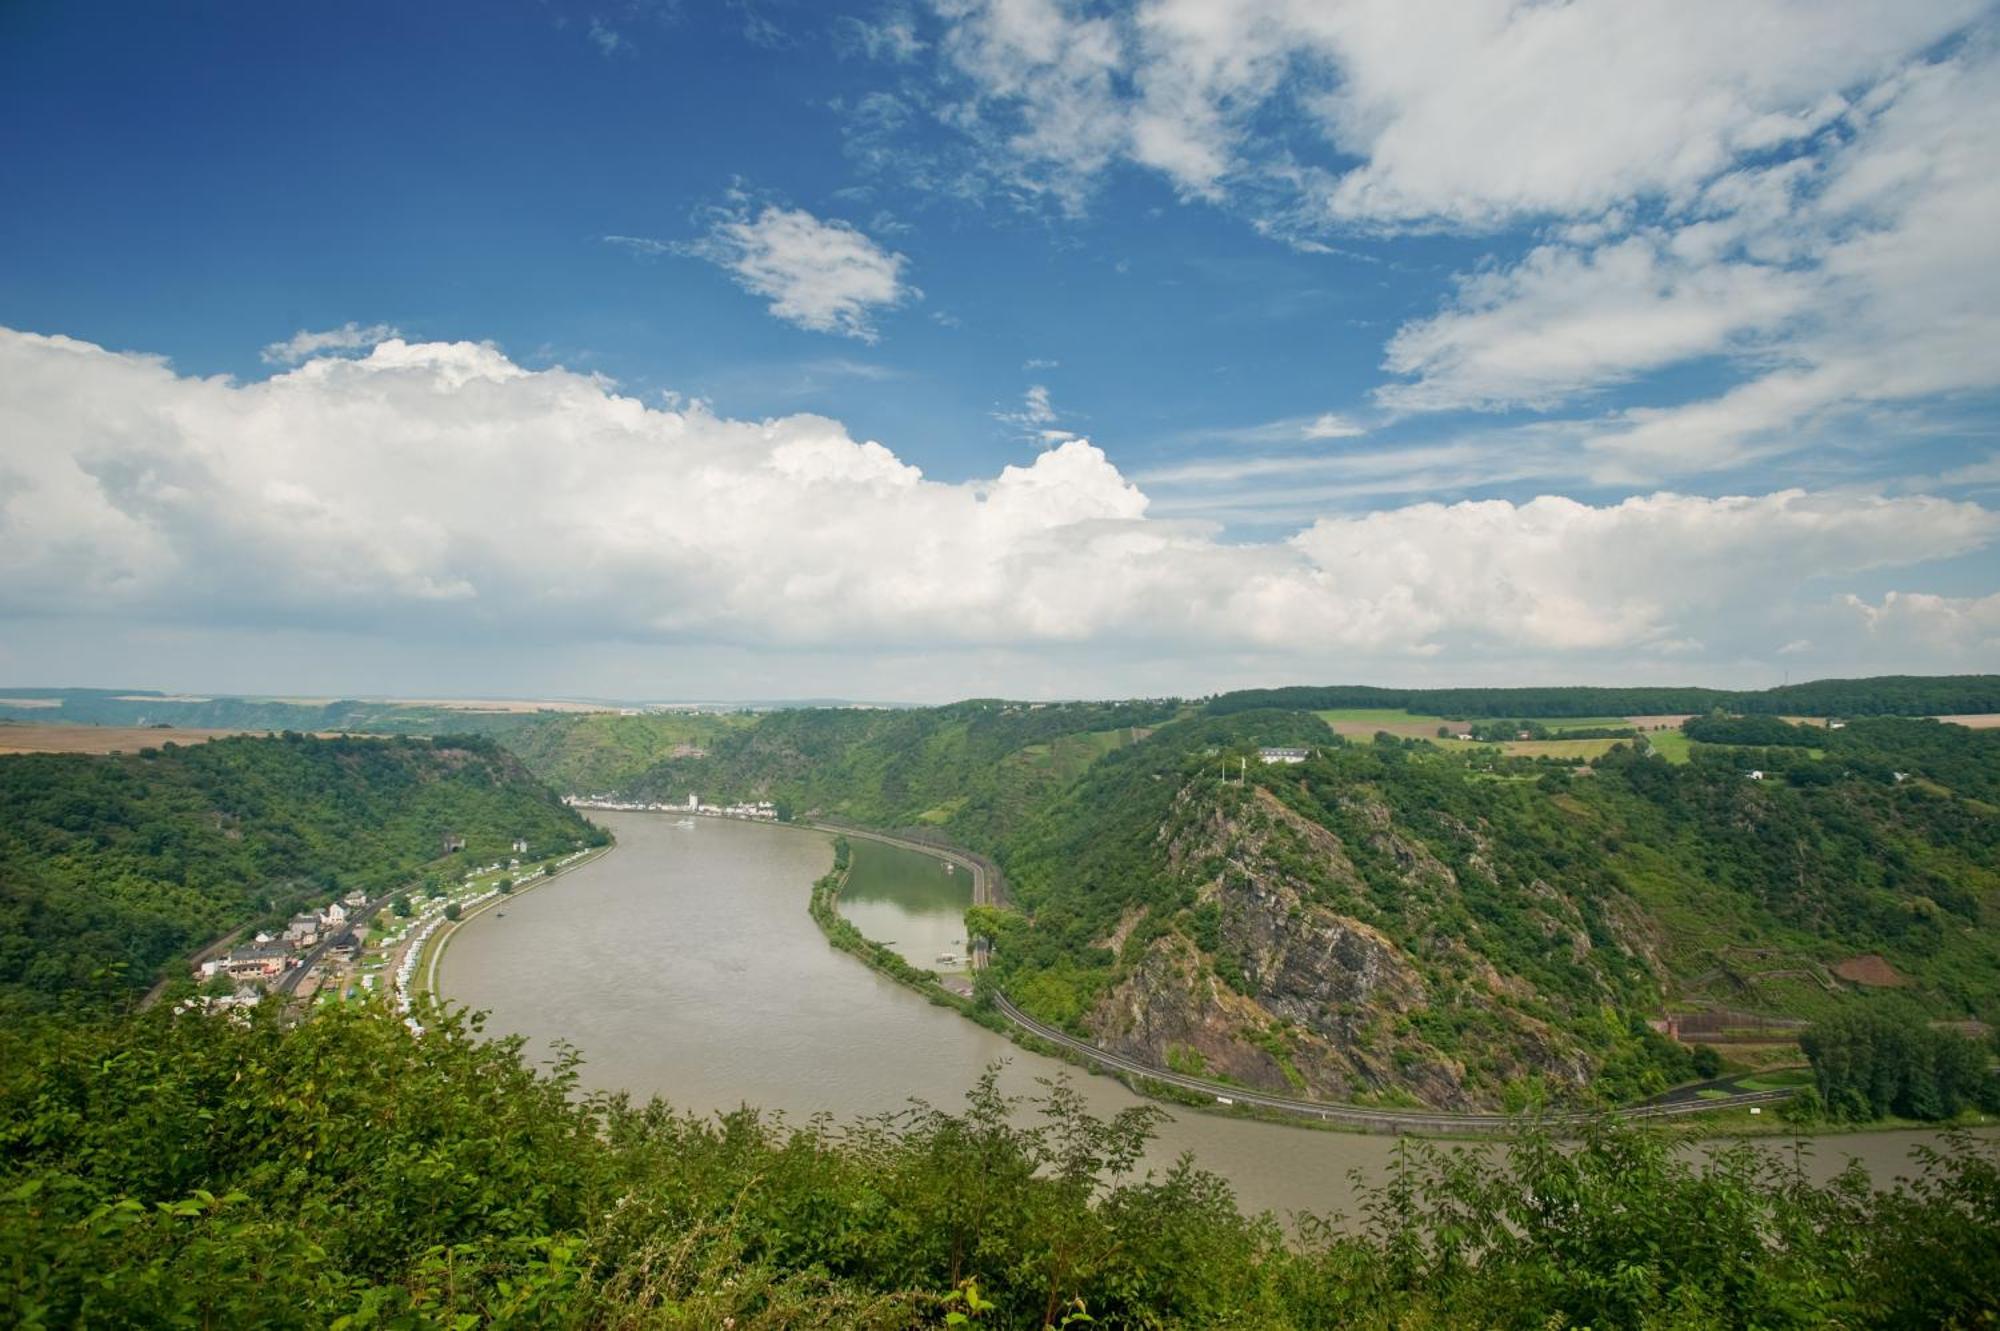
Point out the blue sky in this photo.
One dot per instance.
(1503, 341)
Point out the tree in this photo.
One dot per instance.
(401, 906)
(1871, 1064)
(505, 885)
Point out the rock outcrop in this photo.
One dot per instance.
(1280, 991)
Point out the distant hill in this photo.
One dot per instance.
(141, 707)
(112, 866)
(1882, 695)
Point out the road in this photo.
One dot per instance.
(209, 953)
(1358, 1116)
(356, 917)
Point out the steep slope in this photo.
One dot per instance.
(976, 769)
(606, 751)
(110, 866)
(1395, 920)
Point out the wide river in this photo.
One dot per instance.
(684, 965)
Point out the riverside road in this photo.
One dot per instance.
(1357, 1116)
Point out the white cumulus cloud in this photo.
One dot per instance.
(304, 345)
(1565, 320)
(822, 275)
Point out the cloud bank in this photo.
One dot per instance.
(442, 491)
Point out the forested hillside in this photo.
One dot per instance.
(1394, 919)
(605, 751)
(112, 866)
(978, 768)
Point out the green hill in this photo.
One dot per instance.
(1399, 920)
(112, 866)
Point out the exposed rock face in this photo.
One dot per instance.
(1295, 997)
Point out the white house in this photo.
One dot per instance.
(1283, 755)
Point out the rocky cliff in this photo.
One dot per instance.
(1273, 984)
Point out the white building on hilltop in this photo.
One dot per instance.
(1283, 755)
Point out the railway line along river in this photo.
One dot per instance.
(684, 965)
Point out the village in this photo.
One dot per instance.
(763, 810)
(356, 945)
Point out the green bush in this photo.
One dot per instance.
(207, 1170)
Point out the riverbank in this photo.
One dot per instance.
(435, 946)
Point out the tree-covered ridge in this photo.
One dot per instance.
(1519, 922)
(595, 752)
(1886, 695)
(978, 768)
(208, 1171)
(112, 866)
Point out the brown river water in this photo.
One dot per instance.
(684, 965)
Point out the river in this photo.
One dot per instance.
(684, 965)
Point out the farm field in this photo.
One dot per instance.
(505, 706)
(1559, 724)
(1672, 745)
(1975, 720)
(33, 738)
(1365, 722)
(1581, 750)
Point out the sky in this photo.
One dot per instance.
(928, 349)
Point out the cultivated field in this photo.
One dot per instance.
(507, 705)
(1975, 720)
(1365, 722)
(28, 737)
(1580, 750)
(1671, 745)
